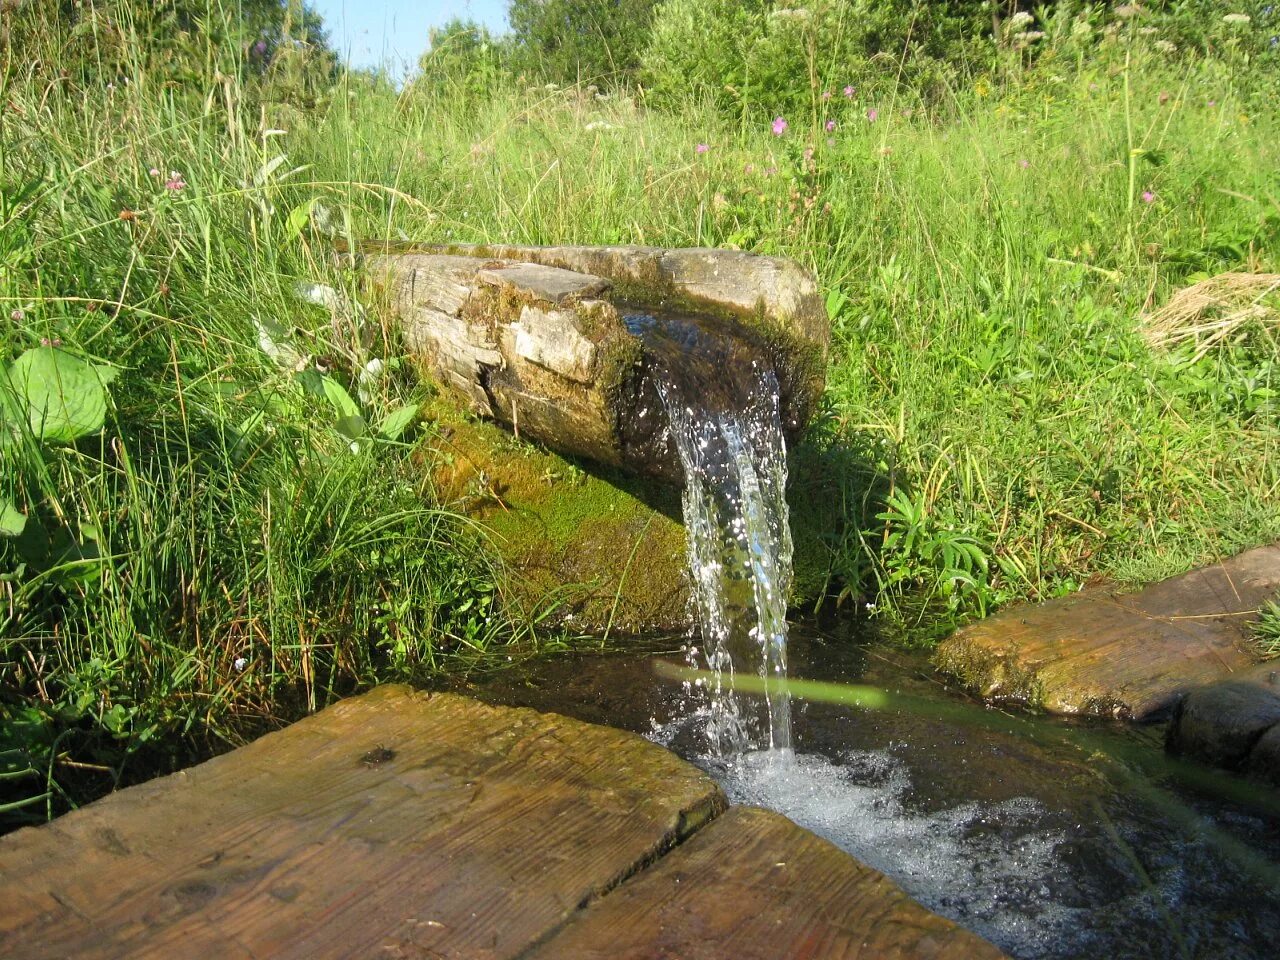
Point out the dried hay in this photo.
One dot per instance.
(1224, 309)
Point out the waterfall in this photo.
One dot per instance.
(722, 402)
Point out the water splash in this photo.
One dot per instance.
(723, 409)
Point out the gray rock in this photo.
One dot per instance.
(534, 336)
(1224, 723)
(1264, 758)
(537, 282)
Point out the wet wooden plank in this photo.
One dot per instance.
(1108, 652)
(754, 886)
(395, 824)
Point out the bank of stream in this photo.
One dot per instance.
(1053, 839)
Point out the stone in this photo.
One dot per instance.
(1224, 722)
(537, 282)
(754, 886)
(566, 363)
(1264, 758)
(1109, 652)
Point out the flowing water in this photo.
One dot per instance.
(722, 402)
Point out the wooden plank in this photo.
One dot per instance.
(1103, 651)
(754, 886)
(396, 824)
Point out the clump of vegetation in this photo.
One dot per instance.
(1265, 632)
(210, 515)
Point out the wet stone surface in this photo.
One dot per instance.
(1108, 652)
(1234, 723)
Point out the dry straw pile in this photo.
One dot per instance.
(1218, 311)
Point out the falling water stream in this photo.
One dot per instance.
(722, 402)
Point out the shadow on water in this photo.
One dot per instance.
(1052, 839)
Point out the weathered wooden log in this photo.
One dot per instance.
(536, 338)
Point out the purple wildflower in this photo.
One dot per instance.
(16, 315)
(701, 148)
(779, 126)
(872, 114)
(849, 92)
(260, 48)
(1148, 196)
(831, 125)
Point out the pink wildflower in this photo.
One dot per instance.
(826, 95)
(16, 315)
(848, 93)
(1148, 196)
(779, 126)
(175, 182)
(872, 114)
(1024, 164)
(154, 172)
(831, 125)
(701, 148)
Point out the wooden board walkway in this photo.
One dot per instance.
(407, 825)
(1125, 654)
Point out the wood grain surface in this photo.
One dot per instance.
(753, 886)
(394, 824)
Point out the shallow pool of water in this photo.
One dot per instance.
(1020, 829)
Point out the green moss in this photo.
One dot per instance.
(987, 673)
(594, 545)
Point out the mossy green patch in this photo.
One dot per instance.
(605, 549)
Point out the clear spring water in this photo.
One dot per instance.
(722, 406)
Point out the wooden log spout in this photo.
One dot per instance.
(537, 337)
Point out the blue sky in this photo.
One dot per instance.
(371, 33)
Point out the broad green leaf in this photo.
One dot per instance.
(64, 395)
(12, 520)
(298, 218)
(339, 399)
(395, 423)
(352, 427)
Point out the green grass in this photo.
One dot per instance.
(220, 557)
(1265, 634)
